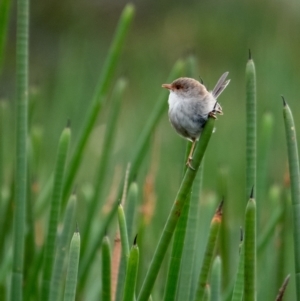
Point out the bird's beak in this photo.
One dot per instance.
(167, 86)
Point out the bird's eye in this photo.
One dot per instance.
(178, 86)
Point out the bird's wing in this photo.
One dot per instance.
(221, 85)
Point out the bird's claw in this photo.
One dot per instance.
(213, 114)
(188, 163)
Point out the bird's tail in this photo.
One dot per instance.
(221, 85)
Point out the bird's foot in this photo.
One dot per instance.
(188, 163)
(213, 114)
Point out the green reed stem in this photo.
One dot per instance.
(291, 139)
(106, 270)
(63, 243)
(21, 149)
(71, 281)
(130, 207)
(131, 274)
(176, 253)
(123, 232)
(251, 127)
(50, 243)
(250, 252)
(175, 213)
(238, 290)
(4, 20)
(103, 164)
(209, 253)
(104, 83)
(216, 280)
(189, 251)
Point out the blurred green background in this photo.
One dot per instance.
(69, 41)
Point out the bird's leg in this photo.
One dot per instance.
(190, 157)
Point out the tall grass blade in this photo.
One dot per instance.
(131, 274)
(106, 270)
(216, 280)
(238, 290)
(50, 243)
(175, 213)
(100, 93)
(103, 164)
(293, 158)
(209, 253)
(63, 243)
(250, 126)
(250, 251)
(71, 281)
(21, 149)
(4, 20)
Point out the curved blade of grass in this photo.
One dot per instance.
(239, 281)
(178, 243)
(4, 20)
(21, 149)
(125, 251)
(130, 207)
(209, 253)
(71, 280)
(251, 126)
(101, 172)
(293, 158)
(50, 243)
(100, 93)
(62, 248)
(106, 270)
(131, 274)
(250, 251)
(216, 280)
(188, 260)
(175, 213)
(176, 254)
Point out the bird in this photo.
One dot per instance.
(190, 105)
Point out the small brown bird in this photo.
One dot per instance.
(190, 104)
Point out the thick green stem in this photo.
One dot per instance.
(295, 186)
(21, 149)
(251, 127)
(250, 252)
(175, 213)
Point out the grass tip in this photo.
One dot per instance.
(241, 234)
(135, 240)
(129, 10)
(283, 288)
(77, 228)
(249, 55)
(252, 193)
(219, 209)
(283, 100)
